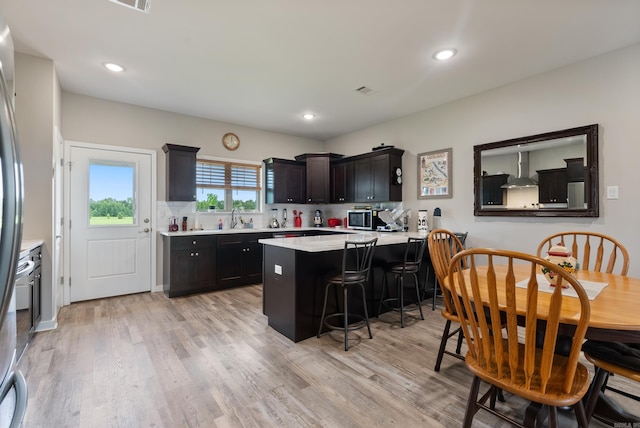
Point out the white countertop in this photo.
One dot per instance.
(315, 244)
(29, 244)
(252, 230)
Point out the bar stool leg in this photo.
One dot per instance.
(400, 284)
(324, 308)
(418, 296)
(346, 319)
(366, 313)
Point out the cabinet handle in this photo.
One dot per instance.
(248, 249)
(194, 242)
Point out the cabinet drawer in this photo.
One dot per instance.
(192, 242)
(231, 239)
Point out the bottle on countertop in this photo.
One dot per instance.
(184, 224)
(220, 224)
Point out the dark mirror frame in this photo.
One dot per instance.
(591, 176)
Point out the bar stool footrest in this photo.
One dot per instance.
(360, 322)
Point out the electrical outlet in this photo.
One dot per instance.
(612, 192)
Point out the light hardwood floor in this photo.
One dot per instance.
(210, 360)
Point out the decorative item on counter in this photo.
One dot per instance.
(344, 222)
(220, 224)
(297, 219)
(173, 224)
(561, 256)
(334, 222)
(284, 218)
(274, 219)
(184, 224)
(423, 221)
(436, 218)
(317, 219)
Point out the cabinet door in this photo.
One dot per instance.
(380, 178)
(285, 182)
(229, 258)
(492, 191)
(362, 180)
(339, 193)
(252, 263)
(181, 172)
(317, 172)
(204, 268)
(552, 186)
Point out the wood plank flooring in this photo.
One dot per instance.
(210, 360)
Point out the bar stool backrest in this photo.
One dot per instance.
(356, 260)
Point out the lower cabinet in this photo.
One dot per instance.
(189, 264)
(239, 259)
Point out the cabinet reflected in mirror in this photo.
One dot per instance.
(554, 174)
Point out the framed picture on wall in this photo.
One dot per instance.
(434, 174)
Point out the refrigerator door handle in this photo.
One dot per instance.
(16, 379)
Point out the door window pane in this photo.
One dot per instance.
(111, 194)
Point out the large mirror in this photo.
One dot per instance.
(546, 175)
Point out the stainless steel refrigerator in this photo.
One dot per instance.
(13, 390)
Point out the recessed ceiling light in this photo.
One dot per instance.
(114, 67)
(444, 54)
(309, 116)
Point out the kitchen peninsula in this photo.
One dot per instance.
(295, 271)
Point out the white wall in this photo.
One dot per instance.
(37, 109)
(603, 90)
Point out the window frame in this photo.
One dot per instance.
(228, 186)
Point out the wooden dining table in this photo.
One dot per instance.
(615, 317)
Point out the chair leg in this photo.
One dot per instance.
(366, 313)
(418, 296)
(471, 402)
(435, 293)
(443, 345)
(324, 309)
(382, 293)
(594, 391)
(581, 415)
(346, 320)
(553, 417)
(400, 284)
(459, 344)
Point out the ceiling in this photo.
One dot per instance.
(264, 63)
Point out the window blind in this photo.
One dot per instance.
(227, 175)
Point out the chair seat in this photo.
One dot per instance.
(409, 267)
(553, 396)
(349, 278)
(615, 354)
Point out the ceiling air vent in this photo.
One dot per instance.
(366, 91)
(141, 5)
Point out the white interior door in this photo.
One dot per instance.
(110, 206)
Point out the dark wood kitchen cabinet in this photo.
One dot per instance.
(189, 264)
(342, 185)
(285, 181)
(552, 185)
(492, 191)
(180, 172)
(239, 259)
(374, 176)
(318, 171)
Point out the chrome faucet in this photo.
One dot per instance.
(234, 221)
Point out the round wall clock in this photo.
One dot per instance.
(230, 141)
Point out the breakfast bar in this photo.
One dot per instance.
(294, 271)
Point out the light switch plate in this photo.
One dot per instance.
(612, 192)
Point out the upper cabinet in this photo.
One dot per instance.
(374, 176)
(285, 181)
(318, 176)
(180, 172)
(322, 178)
(341, 183)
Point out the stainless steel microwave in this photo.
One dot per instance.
(363, 219)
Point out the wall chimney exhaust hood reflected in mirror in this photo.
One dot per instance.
(522, 180)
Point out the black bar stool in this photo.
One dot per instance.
(356, 266)
(410, 266)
